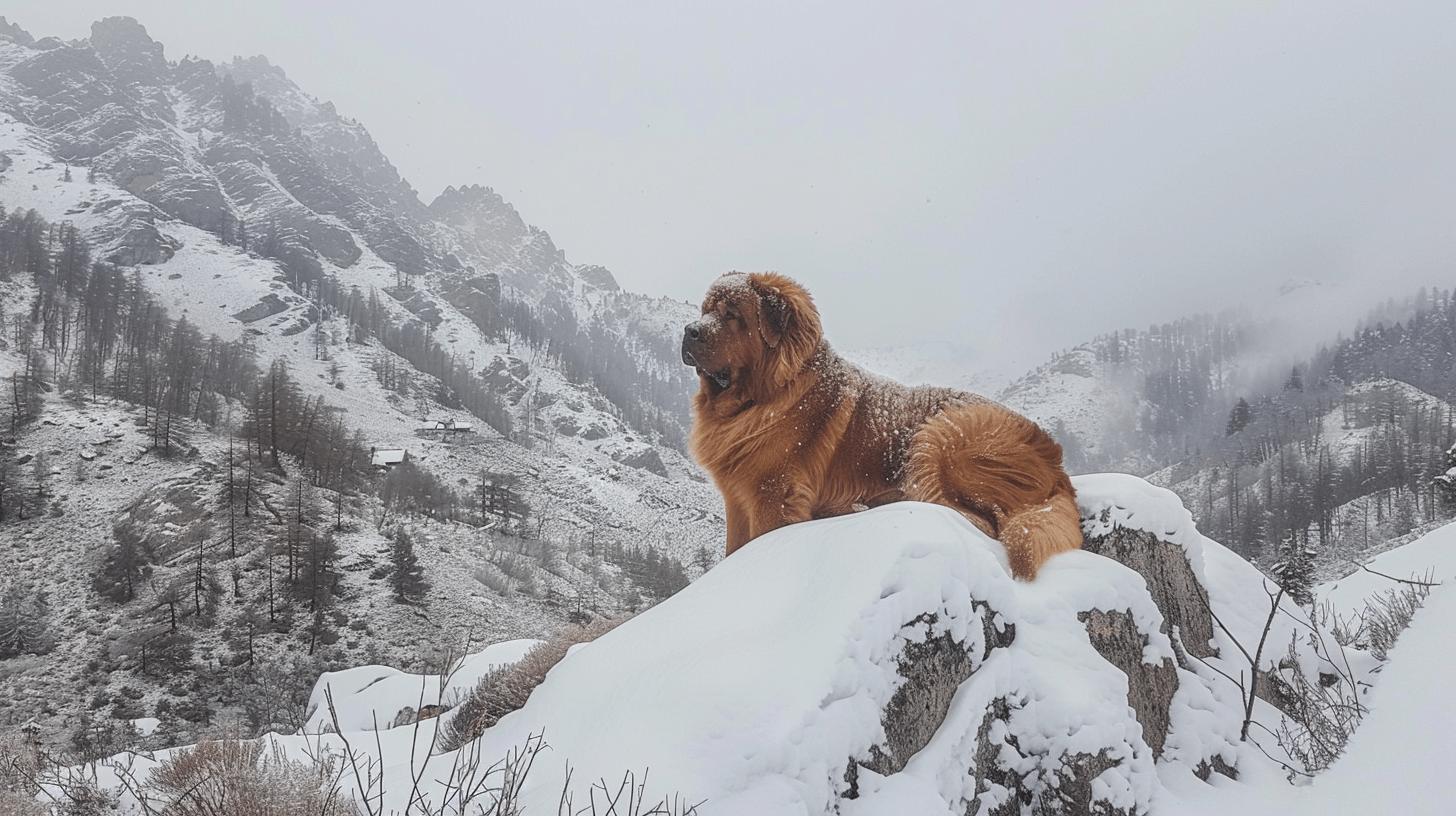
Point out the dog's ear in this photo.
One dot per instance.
(773, 315)
(788, 322)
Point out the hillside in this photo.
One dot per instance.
(1263, 432)
(223, 206)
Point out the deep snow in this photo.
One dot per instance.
(753, 688)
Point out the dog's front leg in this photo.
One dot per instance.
(783, 499)
(739, 527)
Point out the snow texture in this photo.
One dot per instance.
(762, 687)
(368, 695)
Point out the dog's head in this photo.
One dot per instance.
(756, 334)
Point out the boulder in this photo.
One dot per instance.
(642, 457)
(886, 662)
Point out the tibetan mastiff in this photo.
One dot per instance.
(791, 431)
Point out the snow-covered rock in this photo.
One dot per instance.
(366, 697)
(886, 662)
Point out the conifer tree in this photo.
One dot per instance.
(1295, 567)
(1239, 417)
(406, 575)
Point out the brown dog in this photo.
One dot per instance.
(790, 431)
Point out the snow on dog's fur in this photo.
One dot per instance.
(791, 431)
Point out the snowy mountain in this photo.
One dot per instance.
(268, 417)
(265, 220)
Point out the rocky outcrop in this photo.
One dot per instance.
(885, 662)
(1150, 686)
(599, 277)
(1180, 598)
(14, 33)
(644, 457)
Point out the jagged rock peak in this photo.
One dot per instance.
(128, 50)
(598, 276)
(258, 64)
(470, 198)
(14, 33)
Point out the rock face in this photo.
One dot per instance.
(1180, 598)
(1150, 687)
(238, 150)
(645, 457)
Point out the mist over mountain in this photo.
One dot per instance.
(269, 415)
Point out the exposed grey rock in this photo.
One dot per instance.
(645, 458)
(1067, 791)
(1174, 587)
(598, 276)
(566, 424)
(132, 55)
(1215, 764)
(14, 33)
(1150, 688)
(998, 788)
(933, 670)
(270, 305)
(595, 431)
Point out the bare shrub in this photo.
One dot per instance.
(274, 695)
(493, 578)
(1323, 714)
(506, 689)
(1389, 613)
(241, 778)
(33, 782)
(1320, 715)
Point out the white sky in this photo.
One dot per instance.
(1013, 176)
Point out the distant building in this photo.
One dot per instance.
(448, 426)
(386, 458)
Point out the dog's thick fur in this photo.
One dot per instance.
(790, 431)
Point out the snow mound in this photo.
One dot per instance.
(1111, 500)
(886, 662)
(366, 697)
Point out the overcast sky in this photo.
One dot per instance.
(1014, 176)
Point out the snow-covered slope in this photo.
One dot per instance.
(1407, 742)
(232, 218)
(1397, 762)
(887, 663)
(1430, 558)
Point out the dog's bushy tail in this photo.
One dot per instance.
(1004, 473)
(1037, 533)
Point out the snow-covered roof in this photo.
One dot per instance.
(387, 456)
